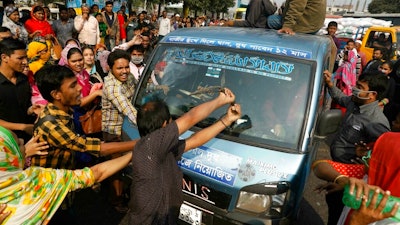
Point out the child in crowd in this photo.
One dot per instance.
(102, 27)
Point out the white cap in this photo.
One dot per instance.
(359, 42)
(178, 15)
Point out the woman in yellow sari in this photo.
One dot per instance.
(33, 195)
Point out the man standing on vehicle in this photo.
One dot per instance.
(156, 190)
(257, 13)
(302, 16)
(363, 122)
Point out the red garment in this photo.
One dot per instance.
(351, 170)
(122, 31)
(384, 167)
(83, 80)
(33, 24)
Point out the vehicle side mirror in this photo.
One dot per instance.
(328, 122)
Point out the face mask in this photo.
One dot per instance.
(136, 59)
(384, 70)
(356, 93)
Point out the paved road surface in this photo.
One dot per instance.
(93, 208)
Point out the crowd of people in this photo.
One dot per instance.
(365, 145)
(52, 72)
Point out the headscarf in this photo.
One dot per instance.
(83, 76)
(33, 195)
(10, 156)
(34, 48)
(64, 60)
(33, 24)
(9, 10)
(102, 57)
(97, 47)
(384, 167)
(37, 60)
(7, 22)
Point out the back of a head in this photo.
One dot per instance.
(151, 116)
(376, 82)
(9, 45)
(50, 78)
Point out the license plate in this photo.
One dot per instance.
(190, 215)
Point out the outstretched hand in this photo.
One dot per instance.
(234, 113)
(3, 215)
(226, 96)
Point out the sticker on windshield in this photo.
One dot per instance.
(217, 60)
(215, 164)
(213, 72)
(242, 45)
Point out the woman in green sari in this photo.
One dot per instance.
(33, 195)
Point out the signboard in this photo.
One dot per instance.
(101, 3)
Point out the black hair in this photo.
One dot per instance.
(383, 52)
(351, 41)
(87, 47)
(376, 82)
(63, 8)
(151, 116)
(50, 78)
(389, 63)
(117, 54)
(9, 45)
(332, 24)
(109, 3)
(133, 13)
(37, 9)
(146, 33)
(94, 6)
(138, 48)
(73, 51)
(4, 29)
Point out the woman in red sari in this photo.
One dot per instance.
(383, 174)
(37, 25)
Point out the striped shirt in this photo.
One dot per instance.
(62, 139)
(117, 103)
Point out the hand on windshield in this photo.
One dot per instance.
(234, 113)
(226, 96)
(328, 78)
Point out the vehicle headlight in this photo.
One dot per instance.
(265, 198)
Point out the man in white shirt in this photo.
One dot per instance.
(164, 25)
(88, 27)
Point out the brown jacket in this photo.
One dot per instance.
(304, 16)
(115, 33)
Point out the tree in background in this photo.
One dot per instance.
(384, 6)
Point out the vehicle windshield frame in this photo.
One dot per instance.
(294, 147)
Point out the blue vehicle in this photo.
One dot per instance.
(255, 171)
